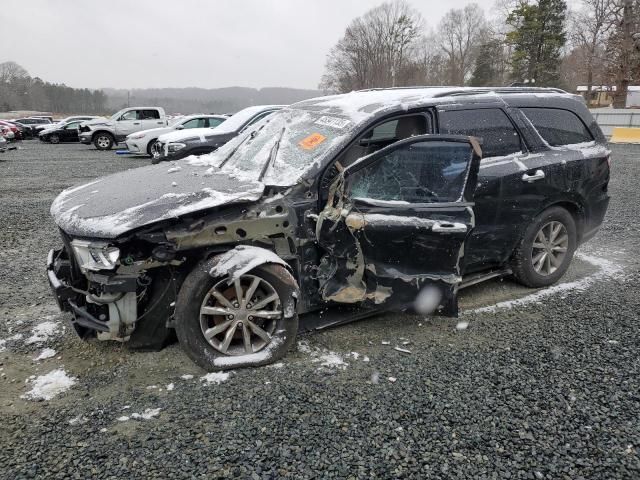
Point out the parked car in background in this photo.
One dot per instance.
(177, 145)
(3, 143)
(367, 199)
(104, 133)
(36, 124)
(16, 130)
(26, 131)
(61, 132)
(84, 118)
(142, 143)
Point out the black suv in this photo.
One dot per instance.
(368, 201)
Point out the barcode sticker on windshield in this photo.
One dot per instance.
(333, 122)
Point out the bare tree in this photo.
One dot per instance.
(10, 71)
(589, 29)
(377, 50)
(461, 31)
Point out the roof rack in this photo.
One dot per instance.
(500, 90)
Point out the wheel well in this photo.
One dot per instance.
(576, 211)
(149, 143)
(98, 132)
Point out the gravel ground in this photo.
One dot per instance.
(545, 389)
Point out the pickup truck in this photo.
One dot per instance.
(104, 133)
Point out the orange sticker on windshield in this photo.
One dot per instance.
(312, 141)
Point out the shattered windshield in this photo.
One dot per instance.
(304, 138)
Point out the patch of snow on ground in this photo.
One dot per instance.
(174, 169)
(462, 325)
(3, 342)
(331, 360)
(170, 387)
(148, 414)
(46, 353)
(45, 387)
(215, 377)
(186, 376)
(325, 357)
(608, 269)
(42, 332)
(79, 420)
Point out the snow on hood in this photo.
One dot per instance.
(111, 206)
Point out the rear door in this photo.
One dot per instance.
(503, 202)
(150, 118)
(396, 223)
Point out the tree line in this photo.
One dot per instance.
(19, 91)
(534, 42)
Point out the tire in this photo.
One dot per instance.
(532, 264)
(54, 139)
(150, 147)
(191, 323)
(103, 141)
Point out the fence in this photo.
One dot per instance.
(609, 118)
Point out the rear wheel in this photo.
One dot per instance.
(546, 249)
(54, 138)
(103, 141)
(223, 325)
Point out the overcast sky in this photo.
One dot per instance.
(182, 43)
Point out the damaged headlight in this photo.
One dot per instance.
(95, 256)
(174, 147)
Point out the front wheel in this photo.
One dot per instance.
(103, 141)
(150, 147)
(54, 139)
(546, 249)
(248, 322)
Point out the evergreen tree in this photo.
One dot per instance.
(537, 39)
(488, 68)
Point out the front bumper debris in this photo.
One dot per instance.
(111, 315)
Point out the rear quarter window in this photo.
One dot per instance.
(492, 125)
(558, 127)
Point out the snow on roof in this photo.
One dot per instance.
(361, 105)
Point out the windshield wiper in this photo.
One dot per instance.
(272, 155)
(252, 135)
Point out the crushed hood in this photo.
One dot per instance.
(111, 206)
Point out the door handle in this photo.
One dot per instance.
(136, 123)
(449, 227)
(537, 175)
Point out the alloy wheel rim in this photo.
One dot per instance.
(240, 318)
(103, 141)
(549, 248)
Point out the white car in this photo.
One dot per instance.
(141, 143)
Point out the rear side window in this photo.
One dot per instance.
(499, 136)
(558, 127)
(149, 114)
(213, 122)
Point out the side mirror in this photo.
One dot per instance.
(179, 127)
